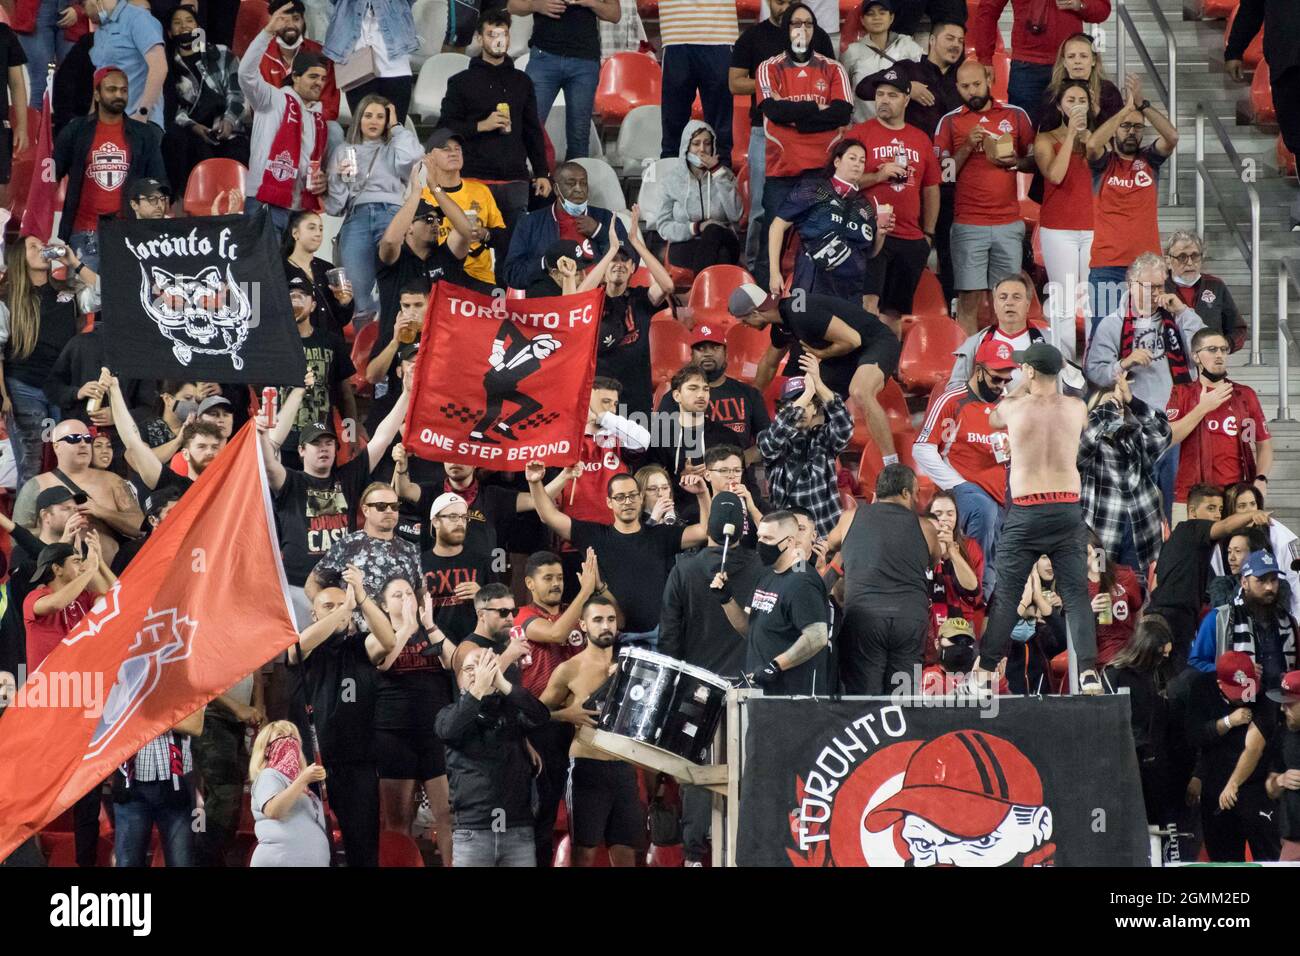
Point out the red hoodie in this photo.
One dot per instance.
(1033, 47)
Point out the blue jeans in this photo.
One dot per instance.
(148, 804)
(514, 847)
(86, 246)
(689, 67)
(1025, 87)
(577, 78)
(980, 517)
(42, 45)
(358, 239)
(775, 191)
(1105, 288)
(32, 414)
(1166, 472)
(757, 221)
(279, 215)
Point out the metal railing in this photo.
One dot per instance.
(1168, 89)
(1248, 245)
(1288, 271)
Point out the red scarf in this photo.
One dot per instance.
(285, 755)
(285, 156)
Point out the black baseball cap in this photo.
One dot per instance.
(300, 283)
(426, 211)
(160, 499)
(314, 432)
(145, 187)
(56, 496)
(440, 137)
(891, 77)
(1041, 357)
(51, 555)
(887, 4)
(565, 249)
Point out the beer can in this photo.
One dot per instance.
(348, 163)
(270, 405)
(504, 109)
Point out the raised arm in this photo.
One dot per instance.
(388, 429)
(138, 454)
(551, 516)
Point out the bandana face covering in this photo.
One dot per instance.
(284, 754)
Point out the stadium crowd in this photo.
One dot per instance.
(455, 621)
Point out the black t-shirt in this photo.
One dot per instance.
(11, 52)
(169, 479)
(575, 33)
(623, 351)
(1183, 568)
(412, 691)
(1284, 755)
(329, 357)
(765, 40)
(455, 617)
(887, 561)
(804, 321)
(341, 686)
(635, 567)
(314, 514)
(782, 606)
(736, 406)
(491, 512)
(59, 324)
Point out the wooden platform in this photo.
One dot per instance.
(710, 776)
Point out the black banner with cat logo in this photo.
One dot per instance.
(200, 299)
(1010, 782)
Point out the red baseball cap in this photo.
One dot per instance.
(1238, 676)
(103, 71)
(709, 331)
(995, 355)
(965, 783)
(1289, 693)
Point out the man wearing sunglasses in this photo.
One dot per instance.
(494, 612)
(1207, 294)
(376, 550)
(1219, 424)
(961, 452)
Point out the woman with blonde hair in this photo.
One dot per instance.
(656, 487)
(367, 178)
(1078, 60)
(288, 818)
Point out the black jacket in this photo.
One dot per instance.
(79, 363)
(472, 96)
(487, 763)
(1214, 304)
(73, 143)
(1281, 22)
(693, 627)
(73, 93)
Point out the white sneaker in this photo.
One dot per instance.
(1090, 684)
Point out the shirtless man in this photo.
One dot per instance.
(1043, 430)
(604, 805)
(111, 508)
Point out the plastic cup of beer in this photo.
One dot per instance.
(337, 278)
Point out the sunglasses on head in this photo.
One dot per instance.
(77, 439)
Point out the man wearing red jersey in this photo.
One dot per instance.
(983, 145)
(553, 637)
(1219, 424)
(901, 172)
(804, 99)
(960, 451)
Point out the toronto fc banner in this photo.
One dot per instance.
(203, 604)
(201, 298)
(500, 381)
(870, 782)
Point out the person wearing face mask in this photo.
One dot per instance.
(701, 205)
(275, 62)
(1118, 451)
(955, 652)
(804, 99)
(786, 622)
(1218, 423)
(1209, 295)
(203, 105)
(960, 451)
(130, 38)
(888, 553)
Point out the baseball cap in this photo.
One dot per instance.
(440, 137)
(160, 499)
(964, 782)
(315, 432)
(212, 402)
(891, 77)
(425, 210)
(56, 496)
(709, 332)
(1237, 675)
(996, 355)
(103, 71)
(50, 555)
(626, 251)
(1041, 357)
(747, 299)
(1258, 564)
(726, 509)
(579, 252)
(1289, 693)
(443, 502)
(299, 282)
(887, 4)
(792, 389)
(957, 627)
(145, 187)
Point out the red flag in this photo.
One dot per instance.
(43, 193)
(201, 606)
(501, 382)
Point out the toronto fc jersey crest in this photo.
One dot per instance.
(108, 166)
(282, 167)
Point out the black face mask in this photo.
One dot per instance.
(984, 391)
(1213, 376)
(958, 658)
(769, 554)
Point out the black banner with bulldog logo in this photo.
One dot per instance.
(201, 299)
(867, 782)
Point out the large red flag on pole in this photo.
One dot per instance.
(202, 605)
(43, 193)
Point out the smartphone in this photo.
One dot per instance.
(185, 408)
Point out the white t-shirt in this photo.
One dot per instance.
(373, 37)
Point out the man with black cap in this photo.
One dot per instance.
(100, 153)
(1043, 432)
(289, 137)
(1255, 623)
(57, 520)
(330, 361)
(735, 405)
(902, 173)
(276, 62)
(156, 506)
(1283, 782)
(147, 198)
(488, 233)
(67, 584)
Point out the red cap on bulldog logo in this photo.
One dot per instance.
(964, 783)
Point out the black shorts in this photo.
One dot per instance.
(881, 351)
(604, 805)
(893, 275)
(409, 755)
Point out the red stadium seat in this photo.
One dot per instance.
(249, 22)
(745, 347)
(927, 358)
(850, 24)
(1261, 96)
(627, 80)
(670, 349)
(208, 180)
(928, 298)
(1285, 158)
(1218, 9)
(714, 285)
(648, 9)
(1254, 54)
(665, 855)
(746, 9)
(362, 346)
(1001, 74)
(397, 850)
(739, 131)
(871, 465)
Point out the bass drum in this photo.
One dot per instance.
(666, 703)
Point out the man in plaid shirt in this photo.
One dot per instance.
(1118, 451)
(800, 447)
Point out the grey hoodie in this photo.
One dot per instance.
(688, 200)
(387, 176)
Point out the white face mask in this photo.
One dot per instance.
(290, 46)
(1179, 280)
